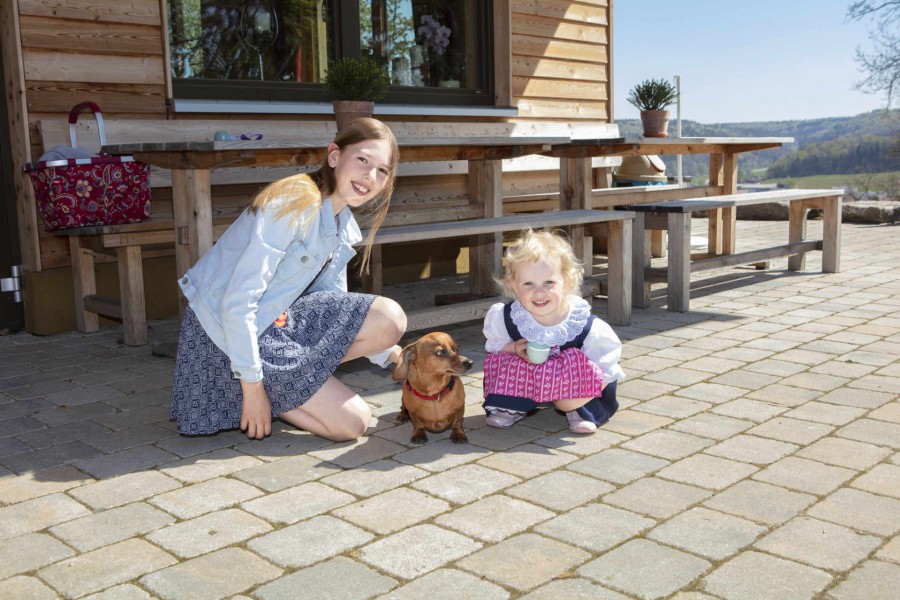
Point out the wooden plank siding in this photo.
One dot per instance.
(560, 59)
(551, 62)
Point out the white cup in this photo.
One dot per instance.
(538, 353)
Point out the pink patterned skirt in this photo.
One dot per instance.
(567, 374)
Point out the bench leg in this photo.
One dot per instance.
(640, 260)
(373, 281)
(831, 235)
(678, 284)
(618, 294)
(797, 233)
(84, 282)
(131, 293)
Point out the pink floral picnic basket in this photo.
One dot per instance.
(95, 190)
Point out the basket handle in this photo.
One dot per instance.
(73, 119)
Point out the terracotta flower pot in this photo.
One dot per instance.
(655, 122)
(347, 110)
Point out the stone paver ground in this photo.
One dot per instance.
(756, 455)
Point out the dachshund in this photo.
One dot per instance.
(433, 396)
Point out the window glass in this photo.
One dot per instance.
(280, 49)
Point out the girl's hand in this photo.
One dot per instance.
(256, 415)
(519, 347)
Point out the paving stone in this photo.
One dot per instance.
(672, 406)
(393, 510)
(105, 567)
(417, 550)
(872, 431)
(760, 502)
(860, 510)
(353, 454)
(716, 393)
(844, 453)
(595, 527)
(524, 562)
(715, 363)
(40, 483)
(38, 513)
(752, 410)
(24, 587)
(441, 456)
(784, 395)
(888, 412)
(309, 542)
(494, 518)
(285, 473)
(739, 578)
(633, 422)
(821, 412)
(447, 584)
(708, 533)
(891, 551)
(466, 483)
(217, 463)
(125, 591)
(645, 569)
(38, 460)
(618, 466)
(560, 490)
(752, 449)
(656, 497)
(804, 475)
(572, 589)
(110, 526)
(339, 578)
(124, 489)
(62, 434)
(640, 389)
(748, 380)
(882, 479)
(216, 575)
(711, 426)
(29, 552)
(819, 544)
(773, 366)
(668, 444)
(126, 461)
(204, 497)
(528, 460)
(874, 579)
(209, 532)
(297, 503)
(707, 471)
(855, 397)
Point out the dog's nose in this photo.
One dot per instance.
(468, 364)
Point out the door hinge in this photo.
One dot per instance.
(13, 284)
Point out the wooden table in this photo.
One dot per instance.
(576, 181)
(191, 163)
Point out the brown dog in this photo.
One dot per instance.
(433, 396)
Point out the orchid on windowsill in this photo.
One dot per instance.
(436, 39)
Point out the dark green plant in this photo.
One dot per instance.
(352, 79)
(653, 94)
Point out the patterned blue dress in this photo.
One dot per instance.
(297, 359)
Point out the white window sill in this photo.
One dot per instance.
(325, 108)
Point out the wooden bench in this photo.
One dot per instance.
(618, 286)
(131, 243)
(674, 217)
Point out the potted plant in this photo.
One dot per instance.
(354, 86)
(651, 97)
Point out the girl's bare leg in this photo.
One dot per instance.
(336, 412)
(571, 404)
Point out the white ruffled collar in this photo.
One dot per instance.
(555, 335)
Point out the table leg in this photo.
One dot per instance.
(678, 284)
(486, 251)
(831, 235)
(640, 260)
(192, 208)
(575, 185)
(618, 293)
(797, 233)
(729, 214)
(716, 176)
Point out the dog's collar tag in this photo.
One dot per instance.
(437, 396)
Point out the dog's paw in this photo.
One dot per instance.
(403, 417)
(419, 438)
(459, 438)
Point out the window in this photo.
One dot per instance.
(435, 51)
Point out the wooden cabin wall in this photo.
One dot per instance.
(113, 52)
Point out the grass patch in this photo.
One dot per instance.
(829, 181)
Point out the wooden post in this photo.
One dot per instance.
(618, 293)
(575, 181)
(84, 282)
(797, 233)
(729, 214)
(831, 234)
(678, 286)
(485, 251)
(714, 243)
(131, 295)
(640, 260)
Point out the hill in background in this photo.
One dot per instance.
(864, 143)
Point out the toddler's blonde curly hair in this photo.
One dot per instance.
(550, 246)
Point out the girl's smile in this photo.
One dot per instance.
(360, 170)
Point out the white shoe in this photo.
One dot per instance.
(579, 425)
(504, 418)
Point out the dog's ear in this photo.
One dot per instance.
(407, 355)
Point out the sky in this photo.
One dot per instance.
(743, 60)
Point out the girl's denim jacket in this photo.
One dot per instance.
(259, 267)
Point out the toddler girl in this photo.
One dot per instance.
(580, 375)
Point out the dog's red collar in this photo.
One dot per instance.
(437, 396)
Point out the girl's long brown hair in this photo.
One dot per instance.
(307, 191)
